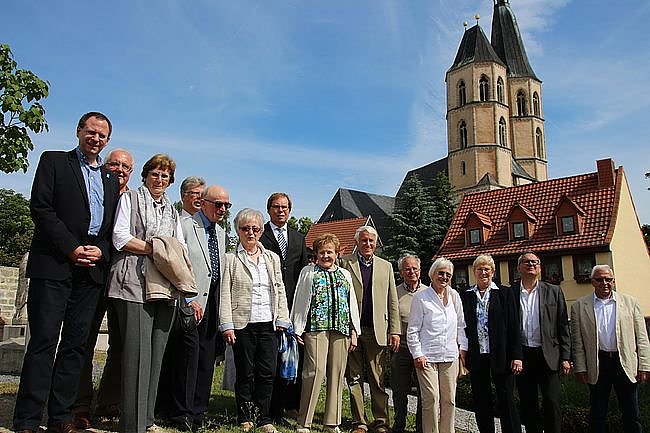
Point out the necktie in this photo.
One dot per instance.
(283, 243)
(213, 249)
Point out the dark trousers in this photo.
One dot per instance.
(402, 370)
(611, 374)
(189, 367)
(256, 354)
(51, 374)
(286, 395)
(537, 374)
(504, 383)
(109, 392)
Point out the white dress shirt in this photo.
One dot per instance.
(531, 335)
(282, 229)
(436, 330)
(261, 310)
(605, 310)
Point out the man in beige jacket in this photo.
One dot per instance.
(610, 349)
(374, 286)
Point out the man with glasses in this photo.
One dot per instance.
(72, 204)
(402, 366)
(610, 349)
(120, 162)
(190, 356)
(289, 244)
(191, 191)
(546, 346)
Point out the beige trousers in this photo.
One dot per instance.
(438, 393)
(326, 354)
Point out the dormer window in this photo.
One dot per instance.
(568, 224)
(518, 231)
(475, 237)
(568, 217)
(477, 228)
(521, 223)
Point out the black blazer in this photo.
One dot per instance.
(61, 214)
(503, 328)
(297, 257)
(554, 323)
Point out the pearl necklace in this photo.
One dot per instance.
(257, 250)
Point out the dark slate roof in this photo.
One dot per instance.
(507, 42)
(519, 171)
(426, 173)
(348, 203)
(475, 47)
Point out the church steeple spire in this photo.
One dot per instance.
(507, 42)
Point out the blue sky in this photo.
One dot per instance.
(309, 96)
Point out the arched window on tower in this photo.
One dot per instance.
(521, 103)
(500, 90)
(484, 88)
(462, 134)
(463, 170)
(462, 95)
(539, 142)
(503, 137)
(536, 104)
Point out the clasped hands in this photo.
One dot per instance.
(85, 255)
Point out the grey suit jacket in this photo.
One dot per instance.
(236, 292)
(631, 337)
(554, 323)
(385, 307)
(197, 248)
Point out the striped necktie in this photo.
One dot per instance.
(283, 243)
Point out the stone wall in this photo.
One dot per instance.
(8, 286)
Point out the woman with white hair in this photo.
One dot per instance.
(435, 332)
(253, 306)
(494, 347)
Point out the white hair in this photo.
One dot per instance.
(405, 256)
(368, 229)
(439, 263)
(597, 268)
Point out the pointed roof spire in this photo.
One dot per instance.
(475, 47)
(507, 41)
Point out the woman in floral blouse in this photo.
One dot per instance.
(325, 313)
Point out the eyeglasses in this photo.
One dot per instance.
(279, 207)
(444, 274)
(530, 262)
(159, 175)
(603, 280)
(219, 204)
(192, 193)
(249, 228)
(484, 270)
(116, 164)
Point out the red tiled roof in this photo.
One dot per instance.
(541, 200)
(343, 229)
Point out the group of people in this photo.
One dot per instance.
(174, 300)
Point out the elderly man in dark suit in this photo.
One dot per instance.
(192, 354)
(546, 346)
(289, 244)
(72, 204)
(374, 285)
(610, 349)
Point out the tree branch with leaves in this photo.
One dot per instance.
(20, 91)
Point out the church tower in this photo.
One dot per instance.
(495, 128)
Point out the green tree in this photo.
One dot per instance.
(420, 220)
(302, 225)
(16, 227)
(20, 89)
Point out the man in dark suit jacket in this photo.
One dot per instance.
(289, 244)
(72, 204)
(546, 346)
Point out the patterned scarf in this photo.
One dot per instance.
(159, 219)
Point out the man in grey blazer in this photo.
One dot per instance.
(374, 285)
(610, 349)
(193, 353)
(546, 346)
